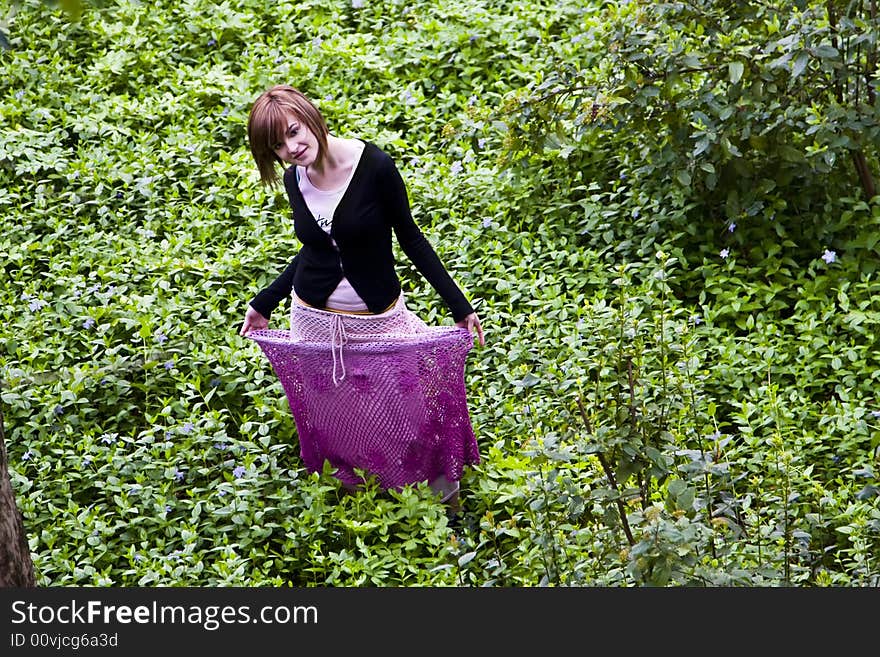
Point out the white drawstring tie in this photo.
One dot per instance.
(338, 338)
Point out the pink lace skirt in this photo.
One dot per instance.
(382, 394)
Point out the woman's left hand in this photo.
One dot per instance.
(471, 323)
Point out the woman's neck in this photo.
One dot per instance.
(335, 164)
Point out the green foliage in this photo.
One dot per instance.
(742, 121)
(652, 206)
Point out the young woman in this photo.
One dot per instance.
(394, 406)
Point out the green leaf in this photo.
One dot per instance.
(800, 64)
(868, 492)
(735, 71)
(466, 558)
(702, 145)
(676, 487)
(826, 51)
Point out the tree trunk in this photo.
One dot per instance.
(16, 566)
(864, 172)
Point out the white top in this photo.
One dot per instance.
(322, 204)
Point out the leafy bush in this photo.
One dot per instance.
(651, 205)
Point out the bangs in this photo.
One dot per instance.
(277, 128)
(270, 125)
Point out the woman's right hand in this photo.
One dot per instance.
(472, 323)
(253, 321)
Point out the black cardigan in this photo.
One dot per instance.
(374, 203)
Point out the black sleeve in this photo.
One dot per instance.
(414, 244)
(268, 299)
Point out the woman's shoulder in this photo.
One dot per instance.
(291, 182)
(290, 177)
(372, 150)
(377, 157)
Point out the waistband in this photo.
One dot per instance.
(360, 313)
(338, 323)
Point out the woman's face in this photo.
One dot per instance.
(297, 144)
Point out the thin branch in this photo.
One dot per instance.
(609, 474)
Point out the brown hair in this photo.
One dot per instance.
(267, 125)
